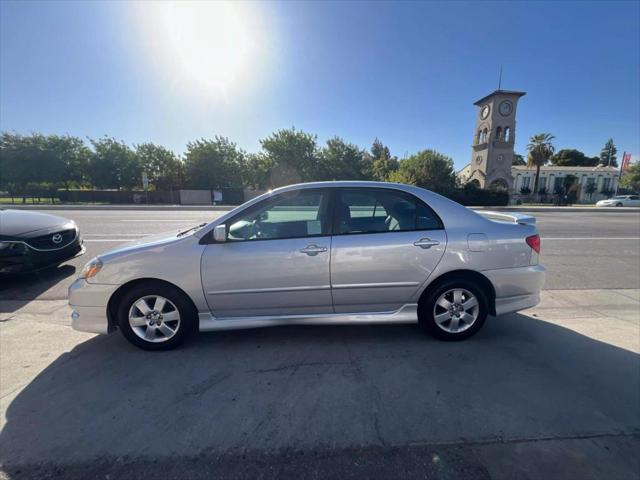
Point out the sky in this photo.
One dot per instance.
(405, 72)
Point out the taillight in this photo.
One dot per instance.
(534, 242)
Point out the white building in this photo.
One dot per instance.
(605, 179)
(552, 178)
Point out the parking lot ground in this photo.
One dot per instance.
(551, 392)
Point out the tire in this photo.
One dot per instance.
(145, 322)
(618, 204)
(444, 327)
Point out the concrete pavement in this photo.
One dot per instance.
(553, 392)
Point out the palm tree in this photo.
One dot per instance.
(540, 150)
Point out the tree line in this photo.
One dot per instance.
(286, 156)
(571, 157)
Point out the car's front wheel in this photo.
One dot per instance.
(155, 316)
(453, 310)
(618, 204)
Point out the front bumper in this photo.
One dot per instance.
(516, 288)
(89, 302)
(28, 260)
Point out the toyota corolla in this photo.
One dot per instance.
(317, 253)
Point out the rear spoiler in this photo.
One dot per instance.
(511, 217)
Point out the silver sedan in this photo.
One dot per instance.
(317, 253)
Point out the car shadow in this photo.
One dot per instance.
(22, 289)
(310, 387)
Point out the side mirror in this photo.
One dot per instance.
(220, 233)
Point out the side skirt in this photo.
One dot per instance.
(406, 314)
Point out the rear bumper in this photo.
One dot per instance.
(516, 288)
(89, 302)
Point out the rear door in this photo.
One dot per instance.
(275, 260)
(386, 243)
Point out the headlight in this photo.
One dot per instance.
(91, 269)
(13, 248)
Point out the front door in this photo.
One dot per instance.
(275, 260)
(386, 244)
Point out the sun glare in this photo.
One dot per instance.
(210, 45)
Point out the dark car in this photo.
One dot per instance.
(30, 241)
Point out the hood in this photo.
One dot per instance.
(14, 223)
(144, 243)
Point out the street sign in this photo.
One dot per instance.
(145, 180)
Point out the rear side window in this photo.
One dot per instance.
(381, 210)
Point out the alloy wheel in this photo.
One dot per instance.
(456, 310)
(154, 318)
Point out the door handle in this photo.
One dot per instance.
(313, 249)
(426, 243)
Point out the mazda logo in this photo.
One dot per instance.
(57, 238)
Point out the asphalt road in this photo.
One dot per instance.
(587, 250)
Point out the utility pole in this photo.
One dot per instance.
(624, 154)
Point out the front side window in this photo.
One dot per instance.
(379, 210)
(301, 213)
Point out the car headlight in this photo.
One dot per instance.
(13, 248)
(91, 269)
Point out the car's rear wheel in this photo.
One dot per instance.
(155, 316)
(618, 204)
(453, 310)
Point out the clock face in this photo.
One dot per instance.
(484, 113)
(478, 159)
(505, 108)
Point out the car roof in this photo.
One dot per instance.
(343, 183)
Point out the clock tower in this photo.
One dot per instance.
(493, 140)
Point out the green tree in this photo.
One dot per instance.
(164, 169)
(39, 164)
(382, 163)
(113, 165)
(608, 154)
(569, 157)
(257, 171)
(214, 163)
(21, 160)
(428, 169)
(71, 157)
(294, 156)
(518, 160)
(540, 150)
(341, 161)
(379, 151)
(631, 179)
